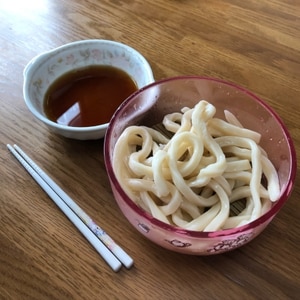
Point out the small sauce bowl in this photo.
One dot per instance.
(45, 69)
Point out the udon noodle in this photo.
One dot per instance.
(193, 176)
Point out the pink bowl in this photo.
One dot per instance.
(148, 105)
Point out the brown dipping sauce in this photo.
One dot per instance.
(87, 96)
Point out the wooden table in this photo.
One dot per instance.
(253, 43)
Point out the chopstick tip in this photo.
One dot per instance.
(130, 264)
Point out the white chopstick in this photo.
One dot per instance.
(104, 244)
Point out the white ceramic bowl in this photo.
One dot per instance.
(44, 69)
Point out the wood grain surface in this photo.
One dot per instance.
(254, 43)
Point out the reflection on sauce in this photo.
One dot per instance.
(88, 96)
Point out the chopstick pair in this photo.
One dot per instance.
(113, 254)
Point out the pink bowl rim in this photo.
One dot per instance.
(201, 234)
